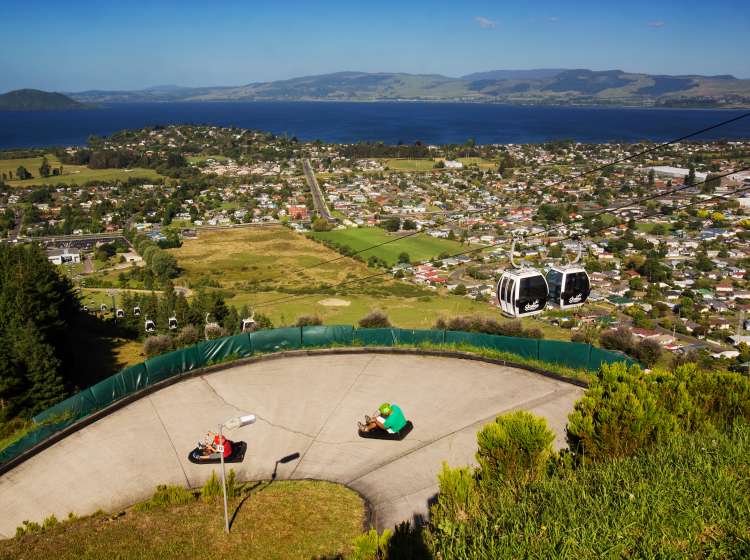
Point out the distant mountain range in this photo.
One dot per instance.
(37, 100)
(550, 86)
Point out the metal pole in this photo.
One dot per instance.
(223, 477)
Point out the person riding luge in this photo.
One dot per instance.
(389, 418)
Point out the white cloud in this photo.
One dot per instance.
(485, 23)
(655, 23)
(553, 19)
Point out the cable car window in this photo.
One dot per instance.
(554, 278)
(577, 283)
(511, 289)
(533, 287)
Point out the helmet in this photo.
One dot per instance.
(385, 409)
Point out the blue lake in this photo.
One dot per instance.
(433, 123)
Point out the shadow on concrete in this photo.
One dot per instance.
(249, 491)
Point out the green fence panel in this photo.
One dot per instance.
(570, 354)
(133, 378)
(600, 356)
(277, 339)
(525, 347)
(375, 337)
(167, 365)
(79, 405)
(418, 336)
(212, 351)
(107, 391)
(31, 439)
(320, 335)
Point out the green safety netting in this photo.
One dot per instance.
(135, 378)
(418, 336)
(275, 340)
(375, 337)
(326, 336)
(570, 354)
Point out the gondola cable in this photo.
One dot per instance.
(602, 228)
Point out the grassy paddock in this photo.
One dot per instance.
(419, 247)
(403, 164)
(283, 519)
(78, 174)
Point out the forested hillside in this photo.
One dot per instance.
(37, 305)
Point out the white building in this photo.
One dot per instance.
(63, 256)
(674, 172)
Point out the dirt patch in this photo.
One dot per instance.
(333, 302)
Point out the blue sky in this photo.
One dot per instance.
(114, 44)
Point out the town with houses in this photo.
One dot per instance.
(675, 267)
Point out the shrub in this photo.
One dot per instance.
(458, 499)
(371, 546)
(376, 319)
(155, 345)
(214, 331)
(475, 323)
(617, 339)
(166, 495)
(587, 334)
(618, 414)
(716, 397)
(647, 351)
(189, 335)
(515, 448)
(212, 487)
(308, 321)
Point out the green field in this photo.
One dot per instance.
(419, 247)
(198, 159)
(400, 164)
(257, 265)
(72, 174)
(280, 520)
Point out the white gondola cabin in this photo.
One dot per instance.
(149, 326)
(137, 311)
(120, 313)
(521, 292)
(172, 323)
(569, 285)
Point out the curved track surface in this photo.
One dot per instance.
(307, 405)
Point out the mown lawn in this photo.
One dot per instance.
(419, 247)
(278, 520)
(78, 174)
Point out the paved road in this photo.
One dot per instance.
(317, 194)
(306, 405)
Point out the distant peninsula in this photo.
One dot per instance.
(545, 86)
(37, 100)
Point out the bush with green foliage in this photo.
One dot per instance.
(374, 320)
(515, 448)
(611, 493)
(167, 495)
(476, 323)
(159, 344)
(308, 321)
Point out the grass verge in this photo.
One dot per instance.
(279, 520)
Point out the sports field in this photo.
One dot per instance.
(72, 174)
(419, 247)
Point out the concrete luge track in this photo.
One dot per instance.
(304, 404)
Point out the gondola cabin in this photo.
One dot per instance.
(569, 286)
(149, 326)
(522, 293)
(172, 323)
(137, 311)
(120, 313)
